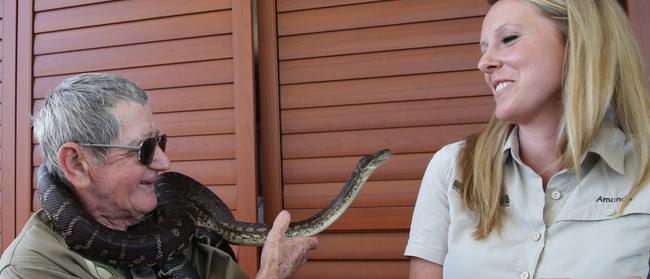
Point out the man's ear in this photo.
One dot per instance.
(73, 161)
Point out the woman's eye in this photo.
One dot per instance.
(509, 39)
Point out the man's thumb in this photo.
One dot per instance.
(281, 222)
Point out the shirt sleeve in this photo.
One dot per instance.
(430, 223)
(210, 262)
(32, 272)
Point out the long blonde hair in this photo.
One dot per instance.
(604, 78)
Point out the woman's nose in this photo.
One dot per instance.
(489, 62)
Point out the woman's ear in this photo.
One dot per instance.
(73, 161)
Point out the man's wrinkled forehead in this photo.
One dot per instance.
(136, 122)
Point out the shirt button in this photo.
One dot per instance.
(556, 195)
(524, 275)
(537, 236)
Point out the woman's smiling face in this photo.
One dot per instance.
(523, 62)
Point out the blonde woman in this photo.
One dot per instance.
(556, 185)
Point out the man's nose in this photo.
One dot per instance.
(160, 161)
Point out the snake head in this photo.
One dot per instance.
(373, 161)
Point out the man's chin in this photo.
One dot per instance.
(145, 202)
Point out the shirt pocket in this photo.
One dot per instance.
(607, 243)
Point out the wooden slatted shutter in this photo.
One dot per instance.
(193, 58)
(350, 78)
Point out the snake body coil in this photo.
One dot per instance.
(183, 204)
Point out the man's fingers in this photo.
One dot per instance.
(311, 243)
(281, 223)
(280, 226)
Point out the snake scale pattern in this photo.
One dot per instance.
(183, 204)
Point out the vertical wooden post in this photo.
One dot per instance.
(24, 78)
(246, 152)
(270, 110)
(8, 180)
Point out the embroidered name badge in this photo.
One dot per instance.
(609, 200)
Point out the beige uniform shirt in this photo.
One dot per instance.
(571, 230)
(39, 252)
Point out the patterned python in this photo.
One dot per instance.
(183, 204)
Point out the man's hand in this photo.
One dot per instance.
(282, 256)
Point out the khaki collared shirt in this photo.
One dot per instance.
(571, 230)
(39, 252)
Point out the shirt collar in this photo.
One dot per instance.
(511, 147)
(608, 144)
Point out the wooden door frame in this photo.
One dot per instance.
(24, 80)
(270, 128)
(246, 151)
(8, 181)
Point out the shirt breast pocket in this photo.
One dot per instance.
(600, 242)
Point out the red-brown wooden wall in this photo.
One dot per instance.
(338, 79)
(3, 150)
(639, 12)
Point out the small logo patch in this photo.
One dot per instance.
(504, 201)
(457, 186)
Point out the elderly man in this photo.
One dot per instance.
(98, 137)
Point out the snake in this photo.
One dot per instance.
(184, 205)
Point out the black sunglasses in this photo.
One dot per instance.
(146, 149)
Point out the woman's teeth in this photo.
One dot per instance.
(501, 85)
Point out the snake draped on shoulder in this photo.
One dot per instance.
(186, 210)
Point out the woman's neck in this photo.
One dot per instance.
(538, 149)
